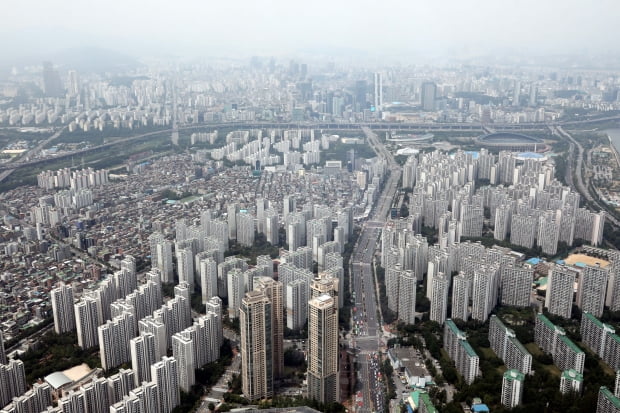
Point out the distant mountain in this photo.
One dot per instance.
(94, 59)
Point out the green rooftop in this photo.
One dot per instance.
(572, 374)
(426, 401)
(519, 346)
(595, 320)
(468, 348)
(514, 375)
(569, 343)
(453, 327)
(549, 324)
(610, 396)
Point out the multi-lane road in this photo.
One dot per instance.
(367, 331)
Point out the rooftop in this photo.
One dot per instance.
(570, 344)
(609, 396)
(468, 348)
(514, 375)
(572, 374)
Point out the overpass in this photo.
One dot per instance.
(326, 126)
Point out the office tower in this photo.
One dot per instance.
(296, 304)
(245, 229)
(183, 353)
(571, 381)
(256, 347)
(378, 83)
(460, 297)
(516, 286)
(512, 388)
(591, 289)
(560, 290)
(505, 344)
(273, 290)
(323, 380)
(3, 359)
(72, 402)
(166, 375)
(185, 266)
(62, 308)
(439, 298)
(607, 402)
(96, 395)
(87, 320)
(52, 85)
(142, 350)
(114, 337)
(428, 96)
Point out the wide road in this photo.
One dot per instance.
(391, 126)
(31, 153)
(367, 331)
(580, 172)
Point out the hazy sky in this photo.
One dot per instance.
(279, 27)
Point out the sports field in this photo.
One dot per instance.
(586, 259)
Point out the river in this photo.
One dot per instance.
(614, 135)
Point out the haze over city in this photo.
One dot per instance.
(345, 206)
(402, 30)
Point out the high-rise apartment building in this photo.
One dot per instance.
(183, 353)
(516, 286)
(323, 380)
(512, 388)
(87, 320)
(256, 346)
(142, 349)
(273, 290)
(460, 297)
(592, 289)
(438, 298)
(62, 308)
(166, 375)
(560, 290)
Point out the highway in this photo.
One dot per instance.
(579, 172)
(376, 126)
(27, 155)
(367, 331)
